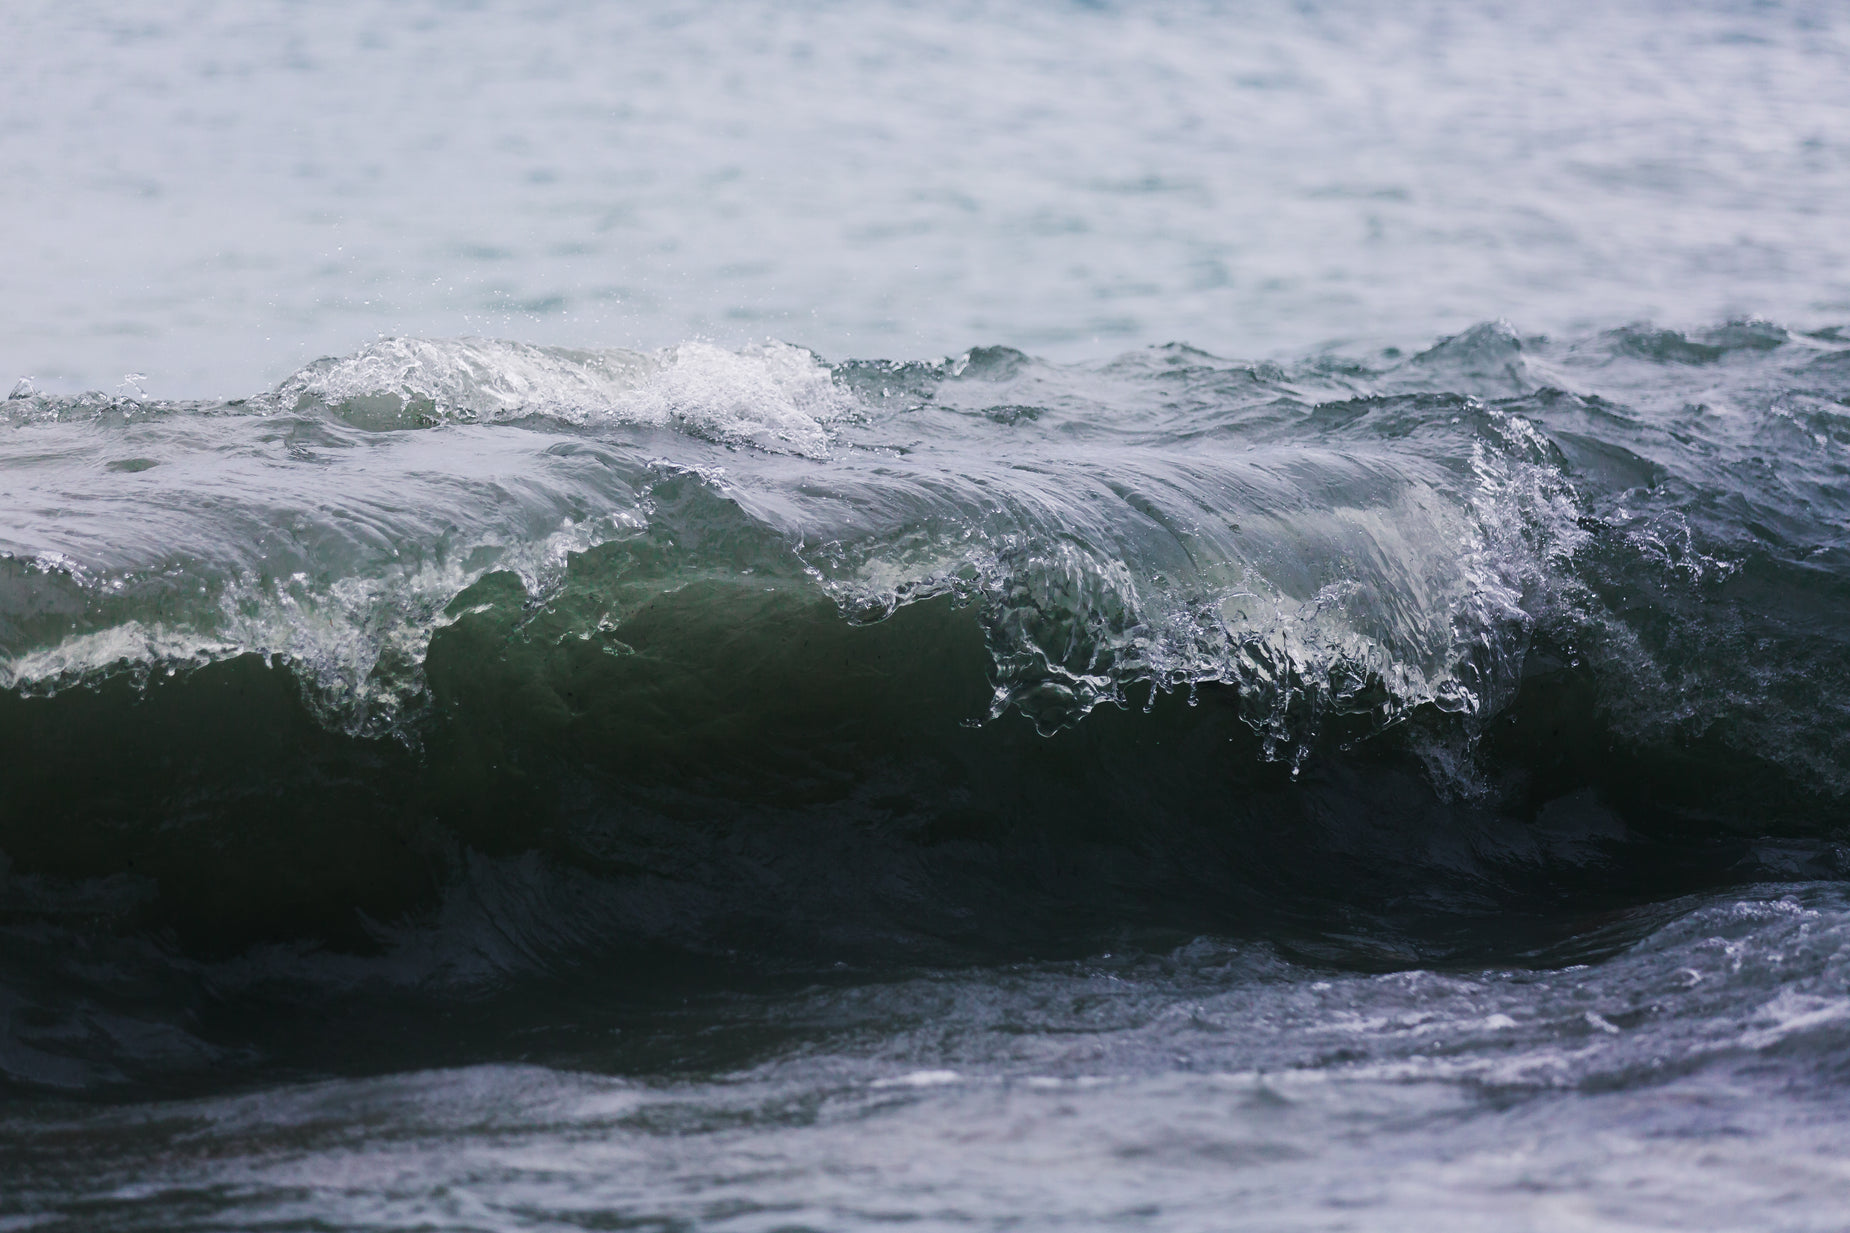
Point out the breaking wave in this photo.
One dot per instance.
(751, 653)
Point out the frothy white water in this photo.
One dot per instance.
(772, 396)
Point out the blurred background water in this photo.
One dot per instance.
(211, 194)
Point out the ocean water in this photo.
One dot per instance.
(212, 195)
(799, 617)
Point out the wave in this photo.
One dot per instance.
(754, 653)
(775, 397)
(1099, 566)
(1314, 535)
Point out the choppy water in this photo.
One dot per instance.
(855, 724)
(1693, 1081)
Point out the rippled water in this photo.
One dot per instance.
(1693, 1081)
(213, 194)
(1169, 616)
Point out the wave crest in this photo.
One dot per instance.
(773, 396)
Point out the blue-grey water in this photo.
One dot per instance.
(213, 194)
(776, 617)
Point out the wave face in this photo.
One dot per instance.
(452, 659)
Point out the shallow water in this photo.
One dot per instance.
(780, 697)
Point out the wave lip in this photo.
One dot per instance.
(1321, 537)
(774, 396)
